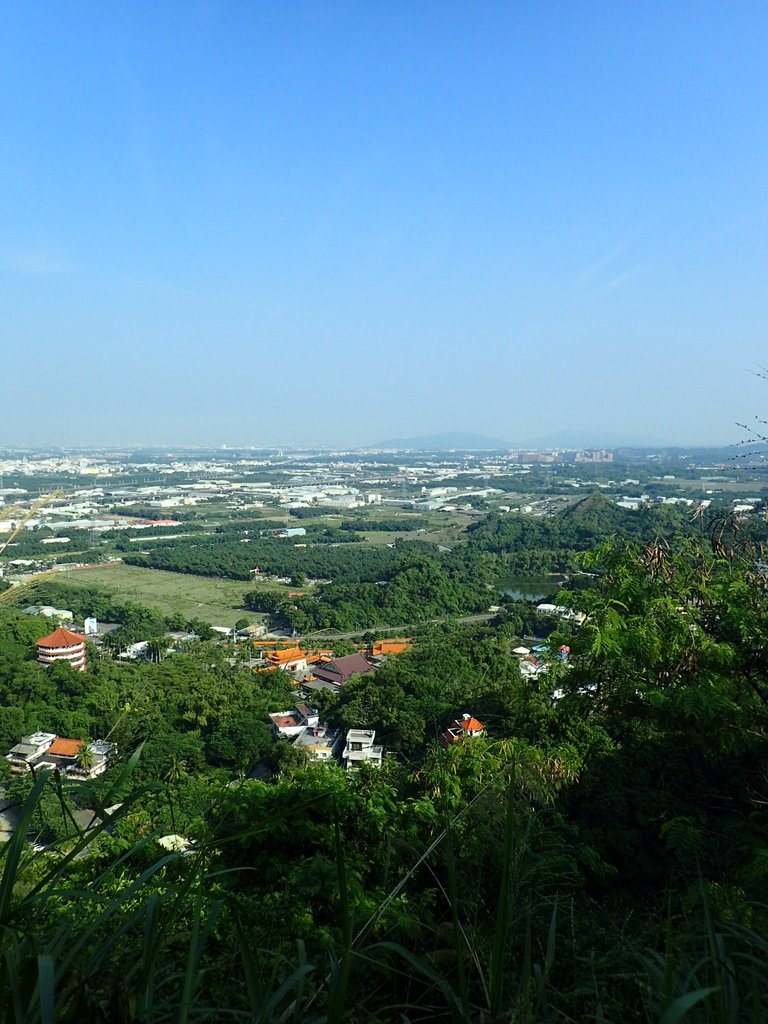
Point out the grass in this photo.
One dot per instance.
(216, 601)
(132, 936)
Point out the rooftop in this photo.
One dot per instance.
(61, 638)
(64, 748)
(286, 656)
(339, 670)
(317, 736)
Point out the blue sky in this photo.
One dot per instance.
(257, 222)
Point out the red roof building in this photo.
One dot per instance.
(461, 727)
(381, 648)
(65, 748)
(62, 645)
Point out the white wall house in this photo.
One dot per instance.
(360, 749)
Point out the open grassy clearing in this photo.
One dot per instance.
(216, 601)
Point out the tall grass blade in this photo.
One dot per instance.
(149, 955)
(525, 981)
(501, 929)
(438, 982)
(200, 932)
(293, 979)
(46, 986)
(549, 960)
(677, 1010)
(13, 849)
(250, 973)
(301, 956)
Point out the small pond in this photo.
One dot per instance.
(530, 588)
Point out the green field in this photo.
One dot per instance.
(216, 601)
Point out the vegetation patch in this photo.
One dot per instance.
(216, 601)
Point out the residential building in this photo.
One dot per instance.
(95, 763)
(63, 614)
(28, 750)
(562, 612)
(466, 726)
(291, 723)
(253, 631)
(46, 750)
(320, 741)
(360, 749)
(62, 645)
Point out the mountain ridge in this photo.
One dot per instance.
(444, 441)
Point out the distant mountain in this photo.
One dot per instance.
(444, 442)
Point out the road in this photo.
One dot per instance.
(406, 627)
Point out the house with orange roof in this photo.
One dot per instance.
(461, 728)
(74, 759)
(293, 659)
(66, 748)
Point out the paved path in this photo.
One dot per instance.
(485, 617)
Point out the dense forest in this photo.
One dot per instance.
(528, 544)
(417, 589)
(236, 559)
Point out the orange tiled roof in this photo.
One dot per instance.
(458, 728)
(61, 638)
(320, 655)
(390, 647)
(64, 748)
(281, 657)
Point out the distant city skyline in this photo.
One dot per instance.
(335, 223)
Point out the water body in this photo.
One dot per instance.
(530, 588)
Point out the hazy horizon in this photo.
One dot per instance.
(434, 442)
(264, 224)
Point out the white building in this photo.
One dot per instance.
(49, 612)
(42, 750)
(561, 611)
(360, 748)
(292, 723)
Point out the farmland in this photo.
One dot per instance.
(216, 601)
